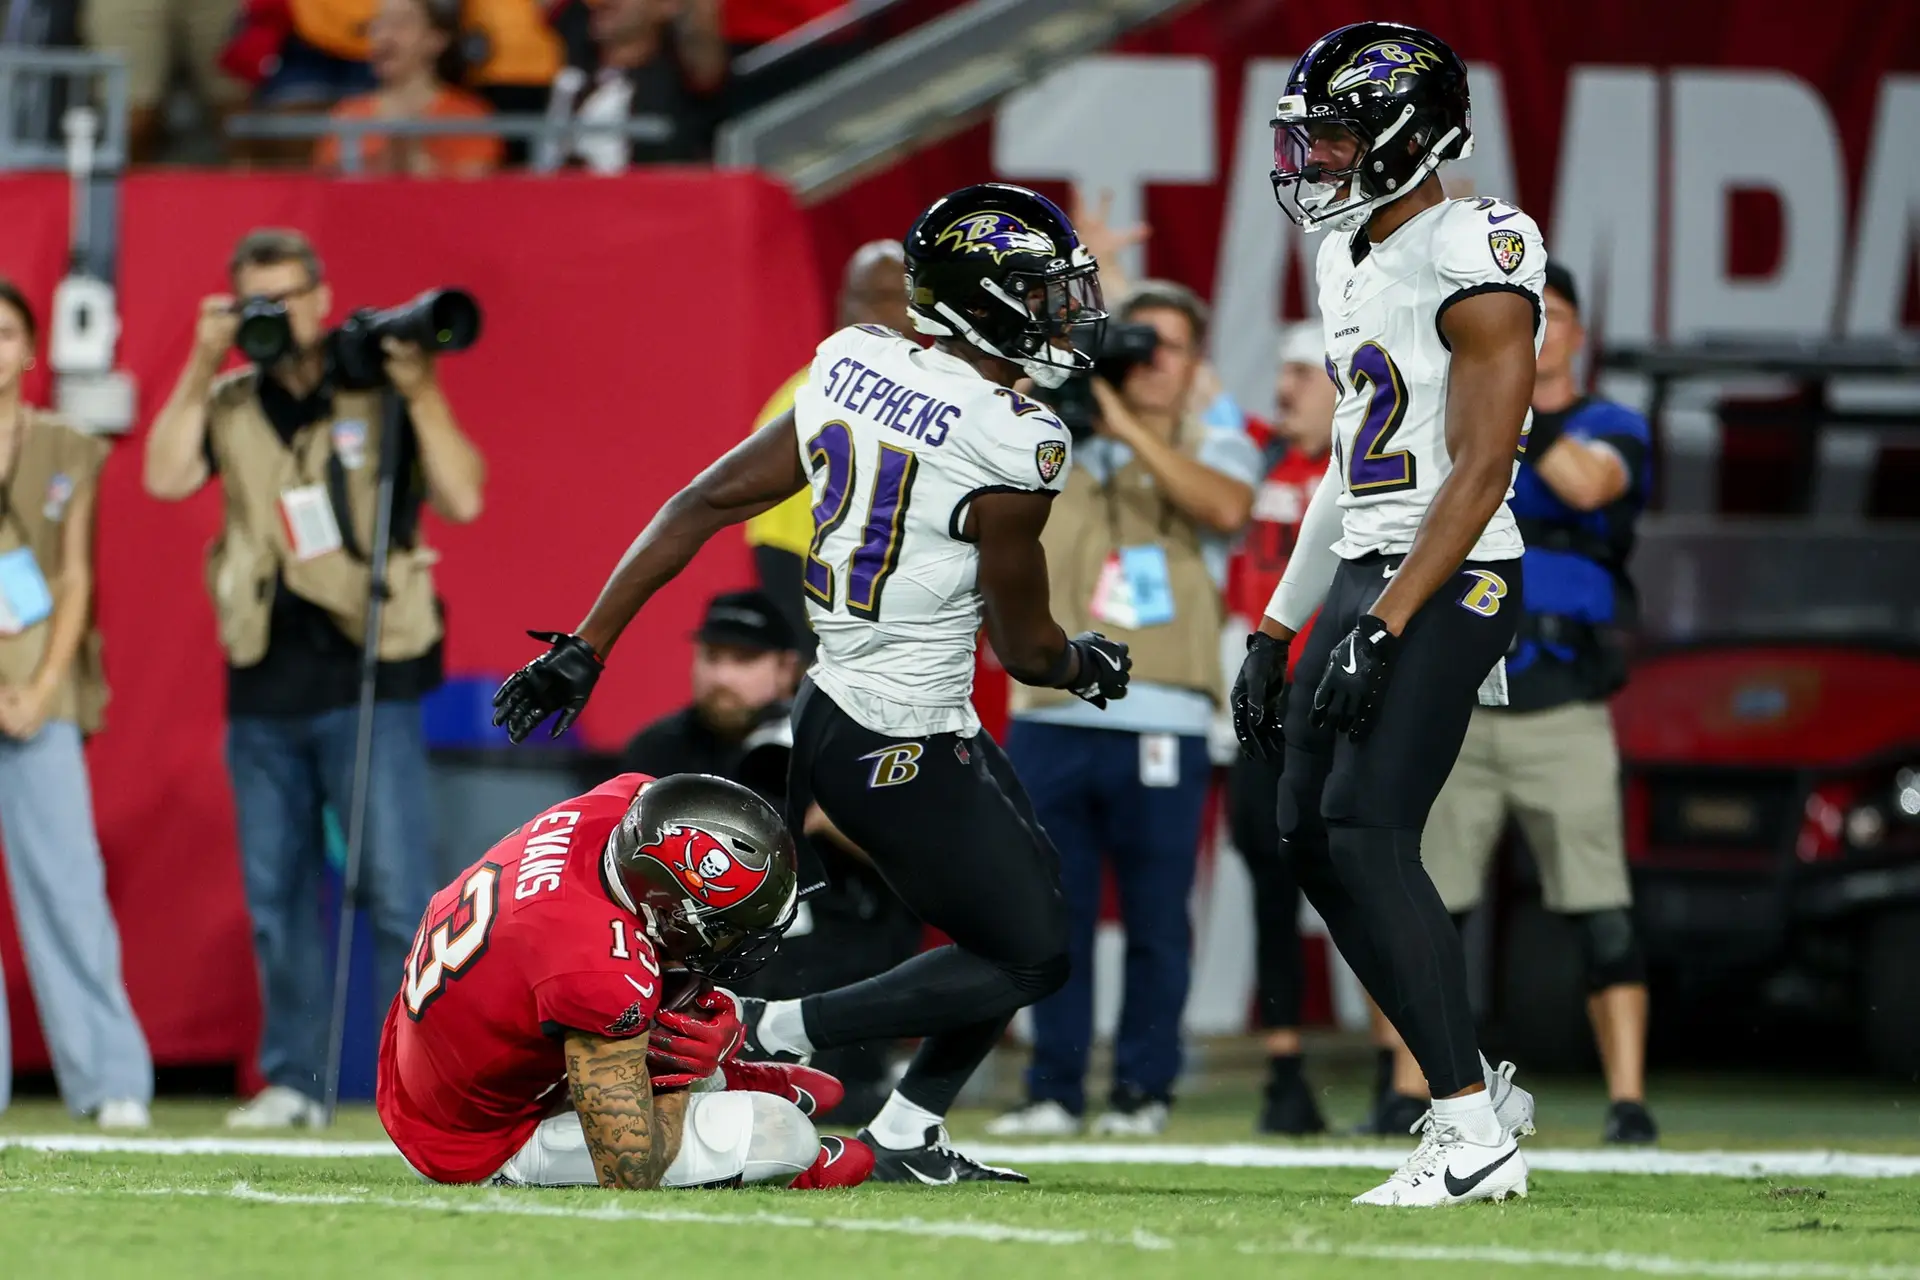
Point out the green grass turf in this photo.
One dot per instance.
(204, 1217)
(1695, 1111)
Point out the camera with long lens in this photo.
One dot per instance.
(1121, 348)
(438, 320)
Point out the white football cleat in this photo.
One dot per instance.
(1447, 1169)
(1046, 1119)
(278, 1107)
(123, 1113)
(1512, 1105)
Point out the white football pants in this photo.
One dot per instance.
(755, 1137)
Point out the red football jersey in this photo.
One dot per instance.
(1278, 508)
(527, 944)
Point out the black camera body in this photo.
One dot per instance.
(1121, 348)
(438, 320)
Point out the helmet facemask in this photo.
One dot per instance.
(1049, 324)
(1322, 172)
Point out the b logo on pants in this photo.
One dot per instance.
(1485, 595)
(894, 765)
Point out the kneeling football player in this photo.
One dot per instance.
(557, 1024)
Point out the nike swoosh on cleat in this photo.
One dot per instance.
(805, 1101)
(1503, 217)
(953, 1175)
(1460, 1186)
(834, 1147)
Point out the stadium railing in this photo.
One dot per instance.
(549, 135)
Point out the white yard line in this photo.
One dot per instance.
(1303, 1244)
(1724, 1164)
(1649, 1264)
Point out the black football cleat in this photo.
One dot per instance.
(1289, 1108)
(751, 1050)
(933, 1163)
(1631, 1124)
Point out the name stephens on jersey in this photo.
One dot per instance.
(898, 440)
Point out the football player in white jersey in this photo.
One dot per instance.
(1431, 314)
(931, 480)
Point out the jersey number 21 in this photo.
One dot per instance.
(878, 554)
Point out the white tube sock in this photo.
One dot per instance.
(902, 1124)
(1473, 1116)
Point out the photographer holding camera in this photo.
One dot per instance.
(1136, 548)
(295, 438)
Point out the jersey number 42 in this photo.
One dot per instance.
(878, 553)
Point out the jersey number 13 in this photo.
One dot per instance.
(878, 553)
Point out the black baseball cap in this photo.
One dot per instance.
(745, 620)
(1560, 280)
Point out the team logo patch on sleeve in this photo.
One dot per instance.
(1050, 456)
(1509, 249)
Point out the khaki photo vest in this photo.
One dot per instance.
(55, 462)
(1091, 521)
(253, 548)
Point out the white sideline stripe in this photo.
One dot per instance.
(1303, 1243)
(1716, 1164)
(515, 1206)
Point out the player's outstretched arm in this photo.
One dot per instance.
(761, 471)
(1013, 585)
(754, 476)
(1489, 386)
(632, 1133)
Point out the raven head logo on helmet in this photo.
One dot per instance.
(1001, 269)
(1369, 112)
(993, 232)
(709, 868)
(1381, 63)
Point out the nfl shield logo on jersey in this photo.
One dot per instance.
(1508, 249)
(1050, 456)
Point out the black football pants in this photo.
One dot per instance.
(950, 829)
(1350, 814)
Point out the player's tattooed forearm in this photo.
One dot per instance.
(631, 1135)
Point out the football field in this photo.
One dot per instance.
(1773, 1182)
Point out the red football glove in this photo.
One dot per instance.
(814, 1092)
(690, 1044)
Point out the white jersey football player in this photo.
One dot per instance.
(931, 479)
(1431, 311)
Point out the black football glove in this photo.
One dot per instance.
(1260, 698)
(1105, 668)
(1357, 671)
(561, 679)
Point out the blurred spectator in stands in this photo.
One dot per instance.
(744, 661)
(415, 50)
(873, 290)
(296, 459)
(149, 35)
(1136, 547)
(662, 59)
(51, 693)
(1295, 453)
